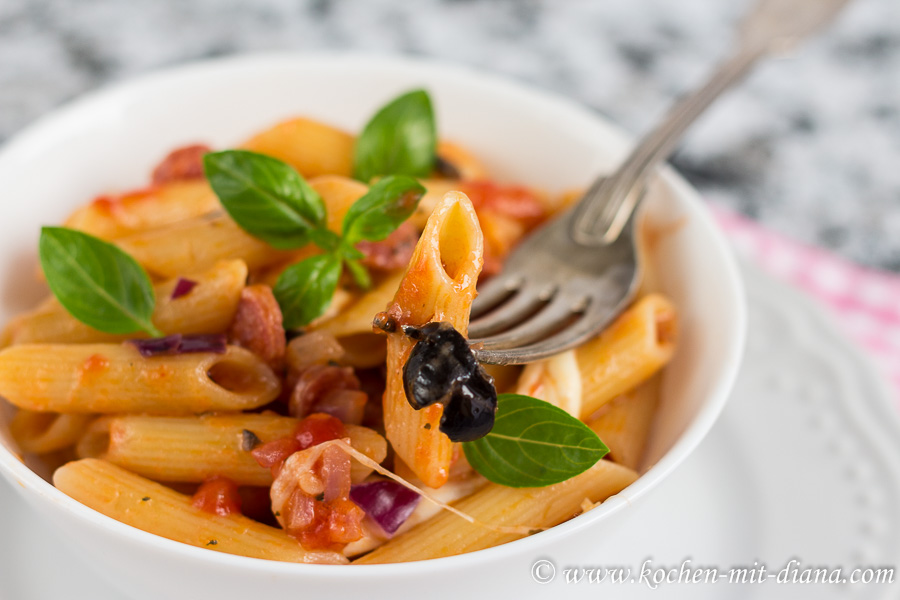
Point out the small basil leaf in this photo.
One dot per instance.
(99, 284)
(266, 197)
(533, 444)
(385, 207)
(305, 289)
(360, 274)
(401, 139)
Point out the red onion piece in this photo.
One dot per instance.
(216, 343)
(181, 344)
(387, 502)
(182, 287)
(158, 346)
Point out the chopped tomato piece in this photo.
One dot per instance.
(318, 428)
(273, 454)
(219, 496)
(514, 201)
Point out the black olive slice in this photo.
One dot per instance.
(443, 369)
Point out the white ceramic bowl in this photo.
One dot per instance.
(110, 140)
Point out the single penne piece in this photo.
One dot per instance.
(448, 534)
(435, 189)
(141, 503)
(102, 378)
(357, 317)
(208, 308)
(194, 449)
(636, 345)
(556, 380)
(466, 164)
(624, 424)
(43, 432)
(196, 245)
(438, 286)
(311, 147)
(150, 208)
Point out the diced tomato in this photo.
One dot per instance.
(219, 496)
(321, 525)
(514, 201)
(318, 428)
(273, 454)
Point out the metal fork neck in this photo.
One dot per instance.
(609, 202)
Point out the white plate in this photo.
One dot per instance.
(804, 463)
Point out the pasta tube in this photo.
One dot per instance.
(83, 378)
(208, 308)
(311, 147)
(154, 508)
(43, 432)
(448, 534)
(196, 245)
(357, 317)
(636, 345)
(197, 448)
(151, 208)
(438, 286)
(624, 424)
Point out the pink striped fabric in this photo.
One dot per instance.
(866, 302)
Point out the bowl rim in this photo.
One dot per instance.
(33, 138)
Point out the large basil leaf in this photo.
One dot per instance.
(533, 444)
(401, 139)
(99, 284)
(265, 196)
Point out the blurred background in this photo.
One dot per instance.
(809, 146)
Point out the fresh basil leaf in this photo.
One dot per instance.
(266, 197)
(533, 444)
(99, 284)
(359, 273)
(401, 139)
(305, 289)
(382, 209)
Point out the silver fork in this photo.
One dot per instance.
(567, 281)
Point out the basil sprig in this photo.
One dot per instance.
(401, 139)
(99, 284)
(272, 201)
(533, 444)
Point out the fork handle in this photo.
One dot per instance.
(606, 207)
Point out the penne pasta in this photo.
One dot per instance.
(438, 286)
(624, 424)
(84, 378)
(311, 147)
(447, 534)
(193, 449)
(150, 208)
(208, 308)
(466, 164)
(154, 508)
(44, 432)
(197, 245)
(357, 316)
(556, 380)
(636, 345)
